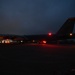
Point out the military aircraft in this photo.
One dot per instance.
(65, 32)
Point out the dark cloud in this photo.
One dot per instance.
(34, 16)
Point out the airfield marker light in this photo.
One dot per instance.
(6, 41)
(71, 34)
(21, 41)
(33, 40)
(44, 42)
(2, 41)
(49, 34)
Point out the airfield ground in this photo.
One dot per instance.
(35, 59)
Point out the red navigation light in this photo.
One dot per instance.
(50, 34)
(44, 42)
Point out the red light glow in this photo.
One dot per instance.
(44, 42)
(49, 33)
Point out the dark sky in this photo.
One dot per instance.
(34, 16)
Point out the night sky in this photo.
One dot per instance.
(34, 16)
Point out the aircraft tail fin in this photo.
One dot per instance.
(67, 27)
